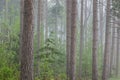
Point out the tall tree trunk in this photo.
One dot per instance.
(27, 42)
(42, 23)
(95, 40)
(85, 21)
(6, 11)
(39, 22)
(45, 18)
(117, 56)
(73, 40)
(81, 41)
(68, 36)
(56, 21)
(112, 48)
(107, 44)
(38, 35)
(101, 23)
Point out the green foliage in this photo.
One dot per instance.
(6, 73)
(114, 78)
(87, 61)
(9, 50)
(52, 60)
(7, 66)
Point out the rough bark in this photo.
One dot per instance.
(105, 73)
(27, 42)
(73, 40)
(95, 41)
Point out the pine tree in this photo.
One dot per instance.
(27, 42)
(95, 41)
(105, 73)
(73, 40)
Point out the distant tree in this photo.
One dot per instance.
(6, 10)
(117, 56)
(1, 4)
(81, 39)
(39, 21)
(68, 36)
(45, 18)
(27, 42)
(101, 17)
(56, 18)
(112, 47)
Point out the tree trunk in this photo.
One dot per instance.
(101, 23)
(42, 23)
(81, 41)
(73, 40)
(117, 56)
(112, 48)
(45, 18)
(68, 36)
(105, 73)
(38, 36)
(27, 42)
(56, 21)
(6, 11)
(95, 41)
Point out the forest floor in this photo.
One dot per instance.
(115, 78)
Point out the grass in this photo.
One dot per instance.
(115, 78)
